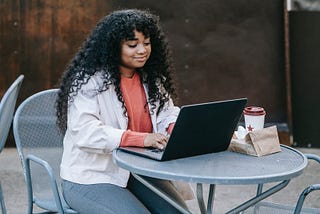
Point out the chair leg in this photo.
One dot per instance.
(30, 208)
(3, 207)
(30, 204)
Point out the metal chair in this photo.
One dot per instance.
(39, 144)
(275, 208)
(7, 107)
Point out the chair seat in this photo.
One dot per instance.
(274, 208)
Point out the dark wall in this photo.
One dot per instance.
(222, 49)
(226, 49)
(38, 38)
(305, 64)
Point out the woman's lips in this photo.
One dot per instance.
(140, 59)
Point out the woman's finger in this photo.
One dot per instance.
(160, 145)
(162, 138)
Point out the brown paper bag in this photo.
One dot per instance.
(258, 142)
(184, 189)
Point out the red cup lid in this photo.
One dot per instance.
(254, 110)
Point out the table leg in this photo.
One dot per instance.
(211, 198)
(259, 197)
(201, 203)
(161, 194)
(259, 189)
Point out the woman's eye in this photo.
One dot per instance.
(147, 43)
(132, 45)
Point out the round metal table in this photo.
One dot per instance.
(220, 168)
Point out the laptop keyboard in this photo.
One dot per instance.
(155, 150)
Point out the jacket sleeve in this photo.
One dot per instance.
(85, 127)
(168, 115)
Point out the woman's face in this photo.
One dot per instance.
(134, 53)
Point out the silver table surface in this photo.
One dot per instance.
(219, 168)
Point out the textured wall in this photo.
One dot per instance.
(222, 49)
(226, 49)
(305, 64)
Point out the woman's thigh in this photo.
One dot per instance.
(101, 198)
(151, 200)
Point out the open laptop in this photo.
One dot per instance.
(199, 129)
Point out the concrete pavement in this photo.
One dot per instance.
(226, 197)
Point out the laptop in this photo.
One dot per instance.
(199, 129)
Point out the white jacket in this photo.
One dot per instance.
(95, 127)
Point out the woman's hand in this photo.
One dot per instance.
(155, 140)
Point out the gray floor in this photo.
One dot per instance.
(227, 197)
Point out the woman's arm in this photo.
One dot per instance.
(167, 116)
(85, 125)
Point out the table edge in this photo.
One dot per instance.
(222, 180)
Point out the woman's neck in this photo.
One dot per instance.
(126, 72)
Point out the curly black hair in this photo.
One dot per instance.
(101, 53)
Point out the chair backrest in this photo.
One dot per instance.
(7, 107)
(35, 132)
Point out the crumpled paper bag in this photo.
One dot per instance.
(184, 189)
(257, 143)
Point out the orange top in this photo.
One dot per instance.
(137, 110)
(139, 124)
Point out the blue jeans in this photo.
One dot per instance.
(109, 198)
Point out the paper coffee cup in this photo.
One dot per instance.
(254, 118)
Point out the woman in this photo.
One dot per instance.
(115, 92)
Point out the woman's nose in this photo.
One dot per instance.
(141, 49)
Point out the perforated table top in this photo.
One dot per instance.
(219, 168)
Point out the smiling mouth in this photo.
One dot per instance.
(141, 59)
